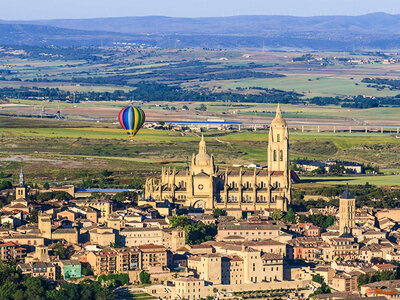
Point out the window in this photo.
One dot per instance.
(274, 155)
(278, 137)
(281, 155)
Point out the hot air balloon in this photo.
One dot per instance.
(131, 119)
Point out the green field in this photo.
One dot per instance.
(52, 151)
(311, 85)
(386, 180)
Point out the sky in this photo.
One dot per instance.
(75, 9)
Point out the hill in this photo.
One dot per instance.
(376, 23)
(378, 31)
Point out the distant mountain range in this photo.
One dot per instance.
(378, 31)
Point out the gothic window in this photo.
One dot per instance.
(274, 155)
(281, 155)
(278, 138)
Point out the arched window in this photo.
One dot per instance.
(274, 155)
(278, 137)
(281, 155)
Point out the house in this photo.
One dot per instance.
(71, 269)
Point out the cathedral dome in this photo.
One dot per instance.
(202, 158)
(278, 120)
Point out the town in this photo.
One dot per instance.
(204, 233)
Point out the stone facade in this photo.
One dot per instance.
(203, 185)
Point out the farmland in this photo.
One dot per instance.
(57, 152)
(86, 139)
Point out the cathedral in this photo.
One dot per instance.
(203, 185)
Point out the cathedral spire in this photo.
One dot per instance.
(21, 178)
(202, 145)
(278, 110)
(278, 120)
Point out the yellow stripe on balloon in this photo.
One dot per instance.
(136, 119)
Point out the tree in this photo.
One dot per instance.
(202, 107)
(33, 216)
(60, 250)
(58, 195)
(179, 222)
(276, 214)
(290, 216)
(144, 277)
(196, 233)
(8, 290)
(217, 212)
(87, 270)
(123, 196)
(46, 186)
(319, 170)
(337, 169)
(318, 278)
(5, 184)
(35, 287)
(324, 289)
(106, 173)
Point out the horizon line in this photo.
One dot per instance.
(204, 17)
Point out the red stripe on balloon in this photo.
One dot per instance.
(120, 117)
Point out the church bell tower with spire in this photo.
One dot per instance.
(20, 191)
(278, 161)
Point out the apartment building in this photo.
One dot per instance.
(103, 207)
(102, 236)
(153, 255)
(248, 266)
(170, 238)
(12, 252)
(306, 248)
(248, 231)
(114, 260)
(39, 269)
(25, 239)
(207, 267)
(232, 270)
(190, 288)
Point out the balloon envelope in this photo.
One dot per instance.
(131, 119)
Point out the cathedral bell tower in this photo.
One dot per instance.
(278, 162)
(347, 211)
(278, 144)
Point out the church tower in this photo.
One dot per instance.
(278, 162)
(44, 224)
(278, 144)
(21, 179)
(347, 210)
(20, 191)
